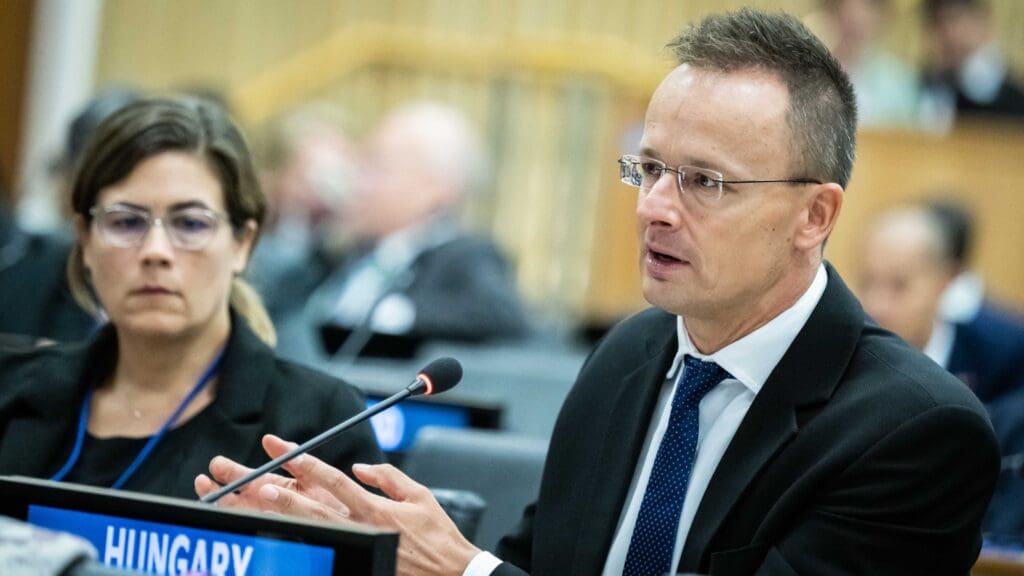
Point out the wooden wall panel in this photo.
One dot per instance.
(15, 29)
(557, 86)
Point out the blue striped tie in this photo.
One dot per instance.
(654, 537)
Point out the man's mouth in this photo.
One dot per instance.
(663, 258)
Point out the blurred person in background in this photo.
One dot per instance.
(33, 285)
(166, 209)
(12, 250)
(988, 351)
(968, 72)
(410, 268)
(307, 166)
(909, 261)
(886, 88)
(988, 354)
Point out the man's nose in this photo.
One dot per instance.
(661, 205)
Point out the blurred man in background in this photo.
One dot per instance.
(988, 350)
(307, 168)
(968, 73)
(905, 268)
(910, 259)
(33, 285)
(886, 88)
(410, 269)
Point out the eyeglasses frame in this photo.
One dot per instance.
(98, 211)
(636, 160)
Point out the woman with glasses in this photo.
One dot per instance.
(167, 210)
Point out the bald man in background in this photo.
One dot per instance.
(904, 272)
(908, 261)
(410, 269)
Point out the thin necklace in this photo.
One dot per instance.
(83, 421)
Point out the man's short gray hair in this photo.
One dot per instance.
(822, 110)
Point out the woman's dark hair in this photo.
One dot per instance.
(171, 124)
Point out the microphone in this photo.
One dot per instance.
(439, 376)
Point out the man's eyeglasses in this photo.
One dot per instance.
(127, 227)
(702, 183)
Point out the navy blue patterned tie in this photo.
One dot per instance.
(654, 537)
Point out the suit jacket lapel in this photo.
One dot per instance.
(807, 375)
(632, 402)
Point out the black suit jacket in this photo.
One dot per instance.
(461, 290)
(41, 393)
(858, 456)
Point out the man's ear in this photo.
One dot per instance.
(245, 242)
(819, 217)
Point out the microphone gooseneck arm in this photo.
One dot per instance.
(418, 385)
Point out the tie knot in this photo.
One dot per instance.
(699, 378)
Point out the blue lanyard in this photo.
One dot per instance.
(83, 422)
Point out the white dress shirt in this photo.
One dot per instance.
(940, 344)
(370, 285)
(750, 360)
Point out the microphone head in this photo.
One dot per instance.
(440, 375)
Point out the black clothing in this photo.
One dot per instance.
(41, 393)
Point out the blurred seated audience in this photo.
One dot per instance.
(167, 210)
(409, 269)
(33, 285)
(886, 88)
(909, 260)
(307, 166)
(968, 72)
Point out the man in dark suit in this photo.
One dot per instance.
(754, 421)
(410, 269)
(988, 339)
(912, 262)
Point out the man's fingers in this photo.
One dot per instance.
(205, 485)
(225, 470)
(391, 481)
(311, 473)
(286, 501)
(275, 446)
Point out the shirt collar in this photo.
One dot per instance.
(752, 358)
(399, 249)
(963, 298)
(940, 343)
